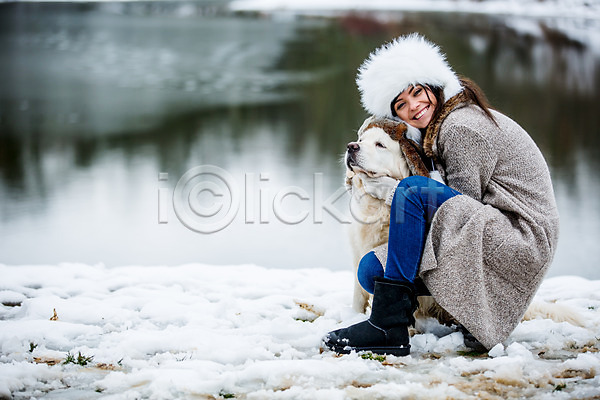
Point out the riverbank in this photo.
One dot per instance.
(78, 331)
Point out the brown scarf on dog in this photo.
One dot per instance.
(412, 151)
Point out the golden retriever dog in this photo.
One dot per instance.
(375, 153)
(383, 149)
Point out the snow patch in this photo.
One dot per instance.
(252, 332)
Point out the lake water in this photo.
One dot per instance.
(112, 114)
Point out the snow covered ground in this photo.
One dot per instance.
(197, 331)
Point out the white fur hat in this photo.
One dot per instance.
(406, 61)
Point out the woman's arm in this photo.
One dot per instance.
(469, 159)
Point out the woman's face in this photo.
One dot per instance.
(415, 106)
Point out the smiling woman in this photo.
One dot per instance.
(415, 105)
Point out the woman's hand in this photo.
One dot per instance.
(382, 187)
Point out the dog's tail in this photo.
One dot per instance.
(553, 311)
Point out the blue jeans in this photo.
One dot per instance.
(415, 202)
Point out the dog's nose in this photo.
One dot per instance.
(353, 147)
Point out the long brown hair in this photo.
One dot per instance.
(471, 91)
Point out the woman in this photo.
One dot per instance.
(482, 241)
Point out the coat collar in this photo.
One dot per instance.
(434, 126)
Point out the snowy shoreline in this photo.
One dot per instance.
(535, 9)
(574, 20)
(251, 332)
(583, 9)
(578, 20)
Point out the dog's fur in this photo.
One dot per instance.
(379, 152)
(376, 154)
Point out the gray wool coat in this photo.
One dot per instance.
(487, 250)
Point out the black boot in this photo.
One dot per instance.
(386, 331)
(471, 341)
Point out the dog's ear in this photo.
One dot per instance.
(397, 132)
(393, 128)
(368, 123)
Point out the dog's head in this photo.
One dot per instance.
(377, 151)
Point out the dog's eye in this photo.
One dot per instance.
(379, 144)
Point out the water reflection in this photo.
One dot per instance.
(99, 99)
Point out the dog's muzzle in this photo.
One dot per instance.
(351, 153)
